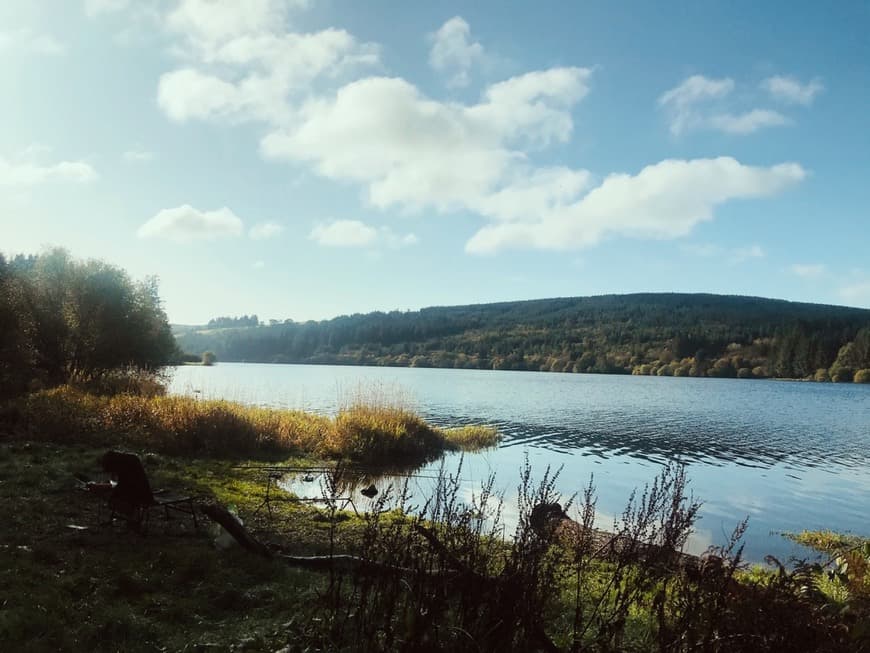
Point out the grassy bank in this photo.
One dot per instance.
(372, 433)
(108, 589)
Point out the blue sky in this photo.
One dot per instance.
(308, 158)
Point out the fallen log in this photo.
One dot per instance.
(341, 562)
(234, 527)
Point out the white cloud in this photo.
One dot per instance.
(697, 103)
(354, 233)
(211, 22)
(454, 53)
(682, 100)
(792, 91)
(664, 200)
(276, 67)
(185, 223)
(265, 230)
(746, 123)
(258, 265)
(243, 64)
(411, 152)
(696, 88)
(27, 172)
(138, 156)
(808, 270)
(94, 8)
(27, 41)
(414, 152)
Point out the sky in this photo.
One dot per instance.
(309, 158)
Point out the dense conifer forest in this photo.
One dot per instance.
(665, 334)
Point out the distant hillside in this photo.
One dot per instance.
(664, 334)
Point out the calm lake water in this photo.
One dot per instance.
(790, 456)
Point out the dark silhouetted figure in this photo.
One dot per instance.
(545, 518)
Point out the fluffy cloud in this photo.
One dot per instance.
(244, 65)
(682, 100)
(665, 200)
(28, 173)
(697, 103)
(413, 152)
(29, 42)
(213, 22)
(791, 91)
(354, 233)
(454, 53)
(265, 230)
(808, 270)
(186, 223)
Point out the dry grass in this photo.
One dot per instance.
(473, 437)
(374, 432)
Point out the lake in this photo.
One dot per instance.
(788, 455)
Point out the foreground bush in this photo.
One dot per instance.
(184, 425)
(449, 580)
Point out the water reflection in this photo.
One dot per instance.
(365, 490)
(789, 455)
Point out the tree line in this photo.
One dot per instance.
(62, 319)
(226, 322)
(667, 334)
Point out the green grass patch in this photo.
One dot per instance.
(107, 589)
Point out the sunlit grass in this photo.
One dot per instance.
(472, 437)
(373, 430)
(825, 541)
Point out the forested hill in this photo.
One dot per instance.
(664, 334)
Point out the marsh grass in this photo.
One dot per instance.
(472, 437)
(374, 432)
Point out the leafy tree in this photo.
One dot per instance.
(64, 319)
(208, 358)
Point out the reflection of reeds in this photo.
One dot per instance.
(381, 431)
